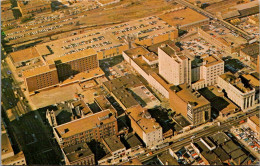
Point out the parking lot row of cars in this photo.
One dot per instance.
(249, 136)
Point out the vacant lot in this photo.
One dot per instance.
(56, 95)
(126, 10)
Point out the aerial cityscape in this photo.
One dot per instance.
(130, 82)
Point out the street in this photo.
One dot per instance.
(186, 140)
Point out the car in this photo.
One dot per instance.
(181, 139)
(205, 127)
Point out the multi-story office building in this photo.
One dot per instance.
(79, 154)
(174, 67)
(190, 104)
(240, 93)
(95, 126)
(145, 126)
(72, 64)
(41, 78)
(205, 71)
(60, 69)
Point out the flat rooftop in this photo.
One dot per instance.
(83, 107)
(212, 60)
(84, 124)
(118, 88)
(252, 80)
(167, 159)
(154, 47)
(252, 50)
(255, 119)
(106, 38)
(143, 118)
(6, 146)
(77, 152)
(24, 55)
(37, 71)
(74, 56)
(16, 157)
(183, 17)
(236, 82)
(82, 76)
(134, 161)
(114, 143)
(194, 98)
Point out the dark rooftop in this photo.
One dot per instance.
(132, 141)
(154, 47)
(114, 143)
(220, 138)
(223, 156)
(252, 50)
(119, 88)
(75, 152)
(167, 159)
(230, 146)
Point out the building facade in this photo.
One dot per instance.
(41, 78)
(193, 106)
(241, 94)
(92, 127)
(145, 126)
(174, 67)
(79, 154)
(206, 73)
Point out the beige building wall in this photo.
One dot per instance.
(243, 100)
(173, 70)
(210, 73)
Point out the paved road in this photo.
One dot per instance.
(244, 34)
(226, 125)
(10, 99)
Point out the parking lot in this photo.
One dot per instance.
(250, 24)
(198, 46)
(248, 137)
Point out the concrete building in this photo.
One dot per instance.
(205, 71)
(251, 54)
(40, 78)
(115, 147)
(174, 67)
(95, 126)
(145, 62)
(145, 126)
(67, 112)
(240, 93)
(190, 103)
(253, 123)
(79, 154)
(60, 69)
(72, 64)
(8, 157)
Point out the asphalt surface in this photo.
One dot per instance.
(10, 99)
(186, 140)
(222, 22)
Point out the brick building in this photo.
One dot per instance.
(95, 126)
(190, 104)
(41, 78)
(79, 154)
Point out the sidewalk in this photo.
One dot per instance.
(179, 136)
